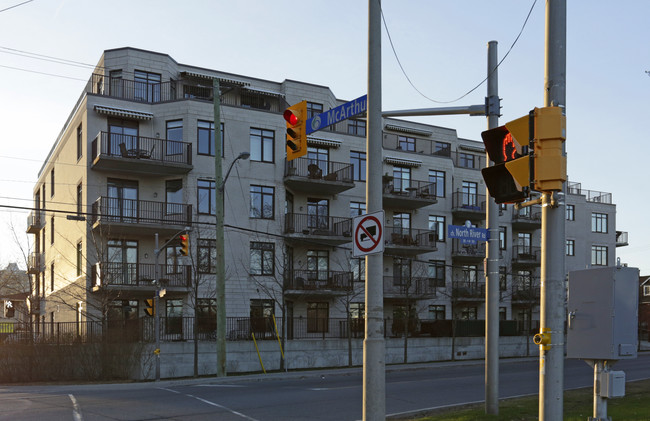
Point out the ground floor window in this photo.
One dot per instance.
(318, 317)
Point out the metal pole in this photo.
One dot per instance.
(156, 310)
(600, 403)
(492, 258)
(221, 258)
(553, 292)
(374, 373)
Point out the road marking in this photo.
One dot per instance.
(210, 403)
(76, 411)
(218, 385)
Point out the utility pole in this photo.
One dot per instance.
(492, 257)
(553, 292)
(156, 307)
(374, 365)
(219, 235)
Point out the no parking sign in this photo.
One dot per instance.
(368, 234)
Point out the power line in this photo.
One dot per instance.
(474, 88)
(16, 5)
(43, 73)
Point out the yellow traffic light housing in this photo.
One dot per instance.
(549, 136)
(150, 308)
(296, 118)
(185, 244)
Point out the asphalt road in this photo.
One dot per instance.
(321, 395)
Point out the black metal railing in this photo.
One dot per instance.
(319, 280)
(131, 211)
(141, 274)
(315, 169)
(526, 254)
(413, 286)
(147, 149)
(468, 290)
(398, 236)
(529, 214)
(468, 248)
(317, 225)
(464, 201)
(409, 188)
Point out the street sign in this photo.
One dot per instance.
(340, 113)
(467, 233)
(368, 234)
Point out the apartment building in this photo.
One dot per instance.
(134, 164)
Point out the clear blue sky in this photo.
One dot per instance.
(441, 44)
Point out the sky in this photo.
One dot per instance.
(441, 45)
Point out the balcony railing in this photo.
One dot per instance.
(140, 275)
(35, 263)
(146, 149)
(467, 248)
(468, 202)
(472, 290)
(410, 188)
(315, 280)
(522, 291)
(526, 254)
(317, 225)
(532, 215)
(398, 236)
(35, 221)
(590, 195)
(314, 169)
(131, 211)
(414, 286)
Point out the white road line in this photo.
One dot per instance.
(76, 411)
(210, 403)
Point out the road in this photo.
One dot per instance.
(322, 395)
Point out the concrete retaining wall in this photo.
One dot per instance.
(177, 358)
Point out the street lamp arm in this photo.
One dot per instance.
(243, 155)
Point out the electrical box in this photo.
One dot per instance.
(603, 310)
(612, 384)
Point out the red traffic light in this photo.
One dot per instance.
(290, 117)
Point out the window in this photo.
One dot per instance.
(466, 160)
(206, 315)
(502, 313)
(320, 158)
(206, 255)
(524, 243)
(401, 179)
(468, 313)
(358, 161)
(80, 262)
(436, 271)
(570, 247)
(599, 222)
(502, 238)
(116, 83)
(206, 200)
(442, 149)
(52, 230)
(437, 225)
(470, 274)
(261, 145)
(570, 212)
(205, 138)
(172, 258)
(318, 264)
(52, 183)
(122, 137)
(79, 142)
(262, 258)
(469, 194)
(646, 290)
(406, 143)
(436, 312)
(146, 86)
(313, 109)
(437, 179)
(357, 209)
(318, 213)
(503, 278)
(174, 197)
(52, 277)
(358, 268)
(174, 317)
(79, 199)
(401, 220)
(599, 255)
(357, 127)
(174, 137)
(357, 310)
(317, 317)
(262, 202)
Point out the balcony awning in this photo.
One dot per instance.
(319, 141)
(402, 162)
(122, 112)
(264, 92)
(225, 80)
(410, 130)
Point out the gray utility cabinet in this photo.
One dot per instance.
(603, 313)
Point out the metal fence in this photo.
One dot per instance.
(179, 329)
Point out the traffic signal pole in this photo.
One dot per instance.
(553, 292)
(492, 257)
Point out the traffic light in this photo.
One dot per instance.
(508, 180)
(296, 118)
(9, 309)
(185, 244)
(150, 308)
(549, 170)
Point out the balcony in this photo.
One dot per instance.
(468, 205)
(529, 218)
(318, 283)
(138, 154)
(123, 216)
(524, 293)
(35, 221)
(35, 263)
(526, 256)
(304, 175)
(468, 291)
(409, 241)
(467, 250)
(407, 194)
(415, 287)
(621, 239)
(140, 277)
(330, 230)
